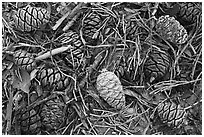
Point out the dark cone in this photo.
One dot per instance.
(30, 18)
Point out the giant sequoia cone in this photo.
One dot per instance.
(52, 78)
(30, 18)
(29, 121)
(52, 114)
(72, 38)
(170, 29)
(156, 66)
(189, 11)
(25, 60)
(172, 114)
(110, 89)
(91, 26)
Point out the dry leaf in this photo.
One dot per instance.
(64, 7)
(33, 74)
(21, 80)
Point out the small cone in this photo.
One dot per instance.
(110, 89)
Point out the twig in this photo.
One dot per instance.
(103, 46)
(53, 52)
(193, 105)
(28, 45)
(37, 103)
(70, 23)
(195, 63)
(9, 28)
(9, 112)
(59, 22)
(182, 51)
(155, 8)
(68, 15)
(163, 87)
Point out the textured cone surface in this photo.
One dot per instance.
(110, 89)
(91, 25)
(189, 11)
(29, 121)
(72, 38)
(25, 60)
(30, 18)
(185, 67)
(156, 65)
(172, 114)
(53, 78)
(52, 114)
(170, 29)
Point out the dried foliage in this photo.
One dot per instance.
(101, 68)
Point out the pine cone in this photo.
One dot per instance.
(189, 11)
(52, 114)
(52, 78)
(185, 68)
(91, 26)
(156, 66)
(172, 114)
(110, 89)
(25, 60)
(72, 38)
(30, 18)
(170, 29)
(29, 121)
